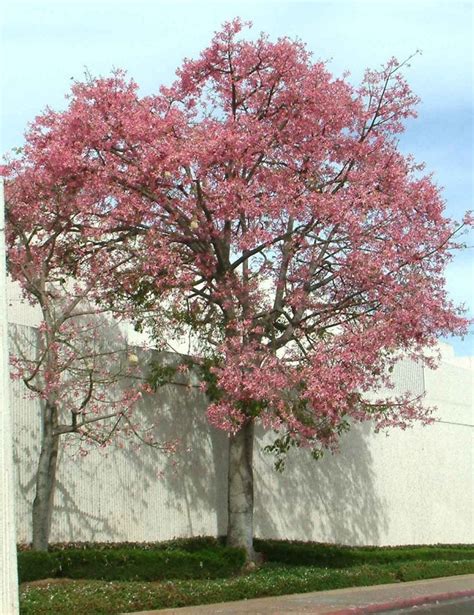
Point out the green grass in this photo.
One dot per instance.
(331, 567)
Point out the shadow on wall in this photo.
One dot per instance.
(77, 522)
(25, 457)
(138, 493)
(131, 493)
(333, 499)
(26, 437)
(194, 479)
(329, 500)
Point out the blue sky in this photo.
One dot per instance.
(45, 43)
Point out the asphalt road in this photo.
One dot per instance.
(461, 606)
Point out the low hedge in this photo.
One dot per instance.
(34, 565)
(208, 558)
(336, 556)
(196, 543)
(130, 564)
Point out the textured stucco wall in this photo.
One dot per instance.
(413, 486)
(130, 494)
(408, 487)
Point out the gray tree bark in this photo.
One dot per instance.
(45, 480)
(240, 491)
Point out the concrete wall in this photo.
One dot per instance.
(130, 494)
(413, 486)
(410, 487)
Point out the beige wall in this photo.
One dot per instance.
(413, 486)
(130, 494)
(410, 487)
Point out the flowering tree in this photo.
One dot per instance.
(76, 362)
(280, 225)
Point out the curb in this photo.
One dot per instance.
(403, 604)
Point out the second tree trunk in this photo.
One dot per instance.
(240, 490)
(45, 481)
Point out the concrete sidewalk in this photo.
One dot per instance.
(357, 600)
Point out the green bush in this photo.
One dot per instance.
(207, 558)
(128, 564)
(336, 556)
(33, 565)
(135, 564)
(195, 543)
(413, 571)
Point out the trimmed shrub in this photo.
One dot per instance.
(33, 565)
(129, 564)
(207, 558)
(337, 556)
(135, 564)
(196, 543)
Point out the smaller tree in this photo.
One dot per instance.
(77, 362)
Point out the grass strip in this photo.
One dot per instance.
(110, 598)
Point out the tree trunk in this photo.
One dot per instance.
(240, 491)
(45, 480)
